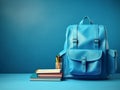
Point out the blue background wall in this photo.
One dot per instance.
(32, 32)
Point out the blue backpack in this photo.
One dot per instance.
(86, 53)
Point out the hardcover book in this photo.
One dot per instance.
(34, 77)
(48, 70)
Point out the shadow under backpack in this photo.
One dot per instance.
(86, 53)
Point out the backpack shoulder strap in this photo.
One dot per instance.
(62, 53)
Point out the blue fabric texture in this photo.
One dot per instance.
(86, 52)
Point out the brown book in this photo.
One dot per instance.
(50, 75)
(34, 77)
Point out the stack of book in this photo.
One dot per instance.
(47, 75)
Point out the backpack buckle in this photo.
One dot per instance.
(84, 64)
(75, 40)
(97, 41)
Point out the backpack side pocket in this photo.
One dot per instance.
(112, 61)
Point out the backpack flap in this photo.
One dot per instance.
(85, 62)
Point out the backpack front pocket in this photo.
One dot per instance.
(85, 62)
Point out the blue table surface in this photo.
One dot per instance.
(22, 82)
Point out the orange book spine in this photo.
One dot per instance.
(57, 75)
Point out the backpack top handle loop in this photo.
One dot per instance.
(85, 18)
